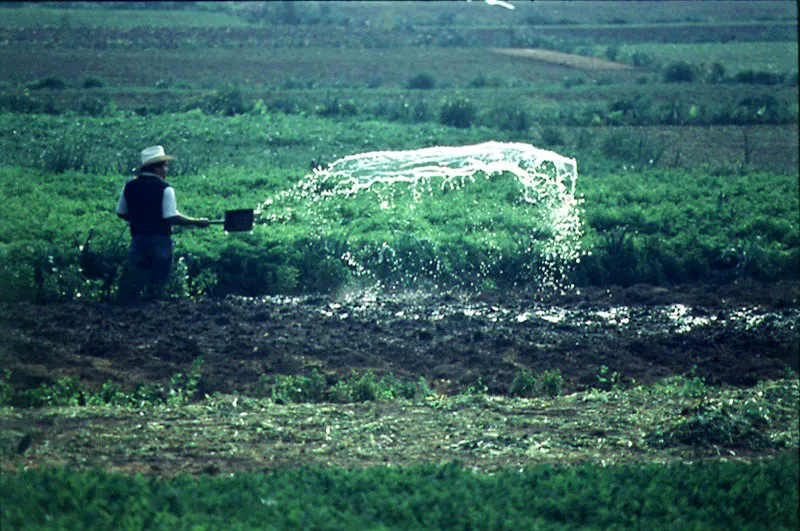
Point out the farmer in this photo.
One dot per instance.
(148, 204)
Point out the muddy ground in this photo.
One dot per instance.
(735, 334)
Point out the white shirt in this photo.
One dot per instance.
(169, 207)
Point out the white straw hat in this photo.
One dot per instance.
(154, 154)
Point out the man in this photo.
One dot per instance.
(148, 203)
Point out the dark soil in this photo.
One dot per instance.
(735, 334)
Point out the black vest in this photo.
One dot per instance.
(144, 197)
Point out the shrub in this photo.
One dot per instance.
(92, 82)
(51, 83)
(299, 388)
(679, 72)
(422, 82)
(527, 384)
(458, 112)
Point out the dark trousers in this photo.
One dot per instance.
(149, 266)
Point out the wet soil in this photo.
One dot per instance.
(736, 334)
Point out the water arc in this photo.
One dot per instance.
(470, 215)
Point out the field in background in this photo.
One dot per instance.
(687, 162)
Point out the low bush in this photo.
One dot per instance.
(527, 384)
(422, 81)
(457, 112)
(92, 82)
(679, 72)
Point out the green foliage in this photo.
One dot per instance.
(655, 226)
(6, 389)
(66, 391)
(484, 81)
(228, 101)
(422, 81)
(92, 82)
(707, 494)
(686, 386)
(458, 111)
(365, 386)
(678, 72)
(758, 77)
(357, 387)
(508, 117)
(50, 83)
(709, 425)
(335, 107)
(552, 137)
(253, 268)
(608, 380)
(632, 148)
(528, 384)
(183, 387)
(297, 389)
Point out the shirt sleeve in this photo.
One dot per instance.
(169, 208)
(122, 204)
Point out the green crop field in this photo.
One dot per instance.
(774, 57)
(330, 406)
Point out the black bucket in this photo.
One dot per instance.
(237, 220)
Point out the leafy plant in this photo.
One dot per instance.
(609, 381)
(686, 386)
(298, 388)
(183, 387)
(527, 384)
(66, 391)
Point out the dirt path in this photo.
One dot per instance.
(563, 59)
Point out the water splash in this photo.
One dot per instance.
(466, 215)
